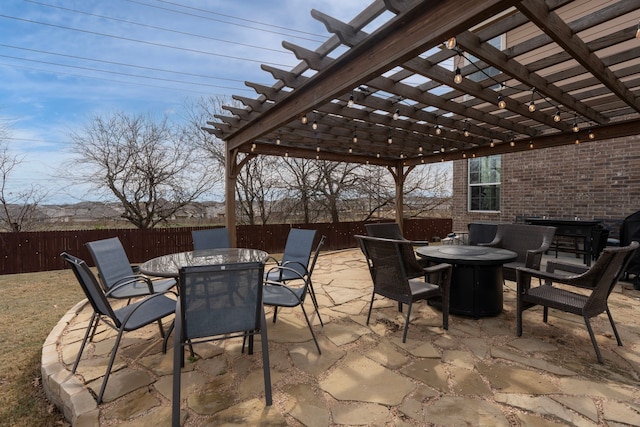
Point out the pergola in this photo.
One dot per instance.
(409, 82)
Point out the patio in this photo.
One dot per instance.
(476, 373)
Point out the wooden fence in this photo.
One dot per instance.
(26, 252)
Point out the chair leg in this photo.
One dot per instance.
(519, 317)
(110, 365)
(593, 340)
(266, 368)
(399, 306)
(95, 318)
(275, 313)
(373, 295)
(545, 314)
(178, 362)
(166, 337)
(161, 328)
(406, 323)
(310, 328)
(613, 326)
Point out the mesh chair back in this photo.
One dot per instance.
(221, 299)
(214, 238)
(111, 260)
(385, 230)
(91, 288)
(388, 273)
(297, 250)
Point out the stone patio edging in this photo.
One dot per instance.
(61, 387)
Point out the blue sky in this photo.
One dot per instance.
(65, 61)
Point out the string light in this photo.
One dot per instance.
(556, 116)
(304, 119)
(501, 102)
(575, 124)
(377, 155)
(457, 79)
(438, 130)
(532, 105)
(278, 140)
(591, 134)
(442, 149)
(389, 139)
(253, 147)
(318, 148)
(355, 138)
(396, 115)
(512, 143)
(351, 102)
(492, 144)
(314, 126)
(451, 43)
(577, 141)
(420, 149)
(638, 31)
(350, 150)
(465, 131)
(530, 144)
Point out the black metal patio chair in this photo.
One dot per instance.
(219, 302)
(152, 308)
(115, 272)
(213, 238)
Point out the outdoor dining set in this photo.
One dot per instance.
(219, 292)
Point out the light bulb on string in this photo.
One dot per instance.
(278, 140)
(457, 79)
(438, 130)
(592, 135)
(304, 119)
(501, 102)
(451, 43)
(396, 114)
(351, 101)
(556, 116)
(314, 126)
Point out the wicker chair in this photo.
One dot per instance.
(397, 275)
(600, 280)
(528, 241)
(390, 230)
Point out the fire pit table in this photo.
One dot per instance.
(476, 281)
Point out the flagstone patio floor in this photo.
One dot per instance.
(478, 373)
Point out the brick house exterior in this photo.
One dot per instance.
(591, 180)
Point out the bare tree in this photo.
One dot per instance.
(257, 187)
(336, 182)
(19, 207)
(301, 179)
(151, 167)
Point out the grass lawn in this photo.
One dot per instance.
(31, 305)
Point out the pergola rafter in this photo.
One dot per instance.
(575, 57)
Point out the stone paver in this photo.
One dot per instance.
(476, 373)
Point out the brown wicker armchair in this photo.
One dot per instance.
(528, 241)
(397, 275)
(599, 279)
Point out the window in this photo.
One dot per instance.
(484, 183)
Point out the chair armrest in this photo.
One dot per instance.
(437, 268)
(552, 266)
(135, 278)
(419, 242)
(272, 259)
(282, 268)
(495, 243)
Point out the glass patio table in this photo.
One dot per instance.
(170, 265)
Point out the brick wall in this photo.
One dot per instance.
(596, 179)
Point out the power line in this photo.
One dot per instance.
(118, 81)
(323, 37)
(156, 27)
(113, 72)
(184, 49)
(119, 63)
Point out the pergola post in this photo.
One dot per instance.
(399, 175)
(232, 169)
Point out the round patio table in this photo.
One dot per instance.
(170, 265)
(476, 280)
